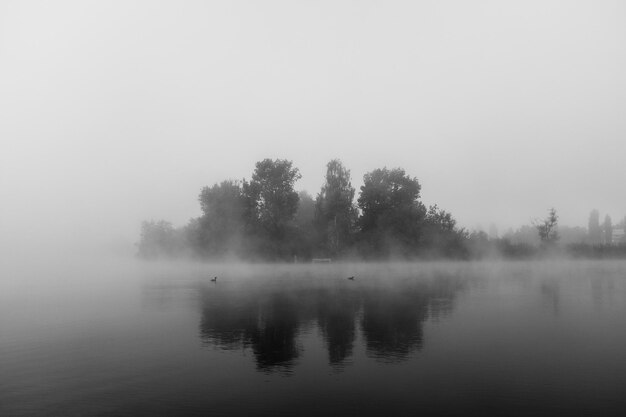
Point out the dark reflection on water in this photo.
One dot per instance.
(267, 323)
(336, 317)
(267, 316)
(550, 290)
(437, 339)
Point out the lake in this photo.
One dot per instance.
(110, 338)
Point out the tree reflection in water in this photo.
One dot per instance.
(268, 316)
(336, 312)
(392, 322)
(274, 339)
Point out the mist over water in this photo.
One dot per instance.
(233, 144)
(128, 338)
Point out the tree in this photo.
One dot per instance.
(306, 233)
(440, 219)
(158, 239)
(478, 244)
(306, 211)
(391, 213)
(547, 228)
(222, 221)
(335, 213)
(595, 232)
(271, 203)
(440, 235)
(608, 230)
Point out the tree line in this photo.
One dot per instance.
(265, 218)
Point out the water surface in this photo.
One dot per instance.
(506, 338)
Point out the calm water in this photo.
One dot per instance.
(113, 339)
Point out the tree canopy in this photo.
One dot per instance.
(266, 218)
(271, 195)
(547, 228)
(222, 220)
(335, 212)
(391, 213)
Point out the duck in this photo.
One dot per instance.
(214, 279)
(351, 278)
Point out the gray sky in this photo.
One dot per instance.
(116, 111)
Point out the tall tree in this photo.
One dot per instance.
(306, 211)
(271, 201)
(595, 232)
(547, 228)
(335, 212)
(222, 220)
(608, 230)
(391, 213)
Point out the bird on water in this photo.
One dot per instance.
(351, 278)
(214, 279)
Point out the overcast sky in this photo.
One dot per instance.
(116, 111)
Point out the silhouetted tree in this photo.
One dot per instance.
(547, 228)
(335, 213)
(391, 213)
(271, 204)
(441, 219)
(222, 221)
(440, 234)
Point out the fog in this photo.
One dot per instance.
(118, 112)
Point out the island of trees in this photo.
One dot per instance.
(266, 219)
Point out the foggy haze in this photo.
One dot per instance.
(116, 112)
